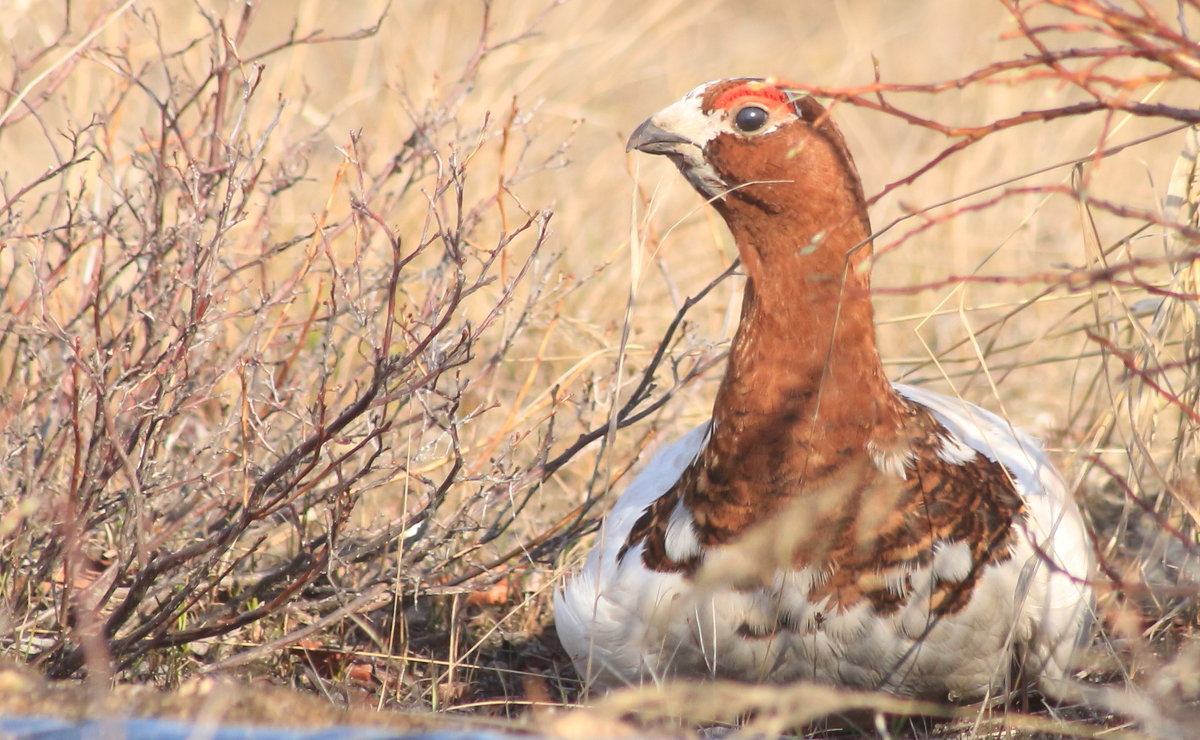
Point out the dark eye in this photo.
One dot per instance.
(750, 119)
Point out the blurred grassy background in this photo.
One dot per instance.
(602, 67)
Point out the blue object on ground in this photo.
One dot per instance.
(45, 728)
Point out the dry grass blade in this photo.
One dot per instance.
(770, 711)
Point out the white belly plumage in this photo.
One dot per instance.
(623, 623)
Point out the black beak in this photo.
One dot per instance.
(654, 140)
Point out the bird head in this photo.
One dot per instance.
(754, 148)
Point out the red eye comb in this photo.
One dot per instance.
(758, 89)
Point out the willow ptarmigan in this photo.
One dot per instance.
(825, 525)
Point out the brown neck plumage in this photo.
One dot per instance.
(805, 392)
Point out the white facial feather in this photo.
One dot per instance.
(687, 119)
